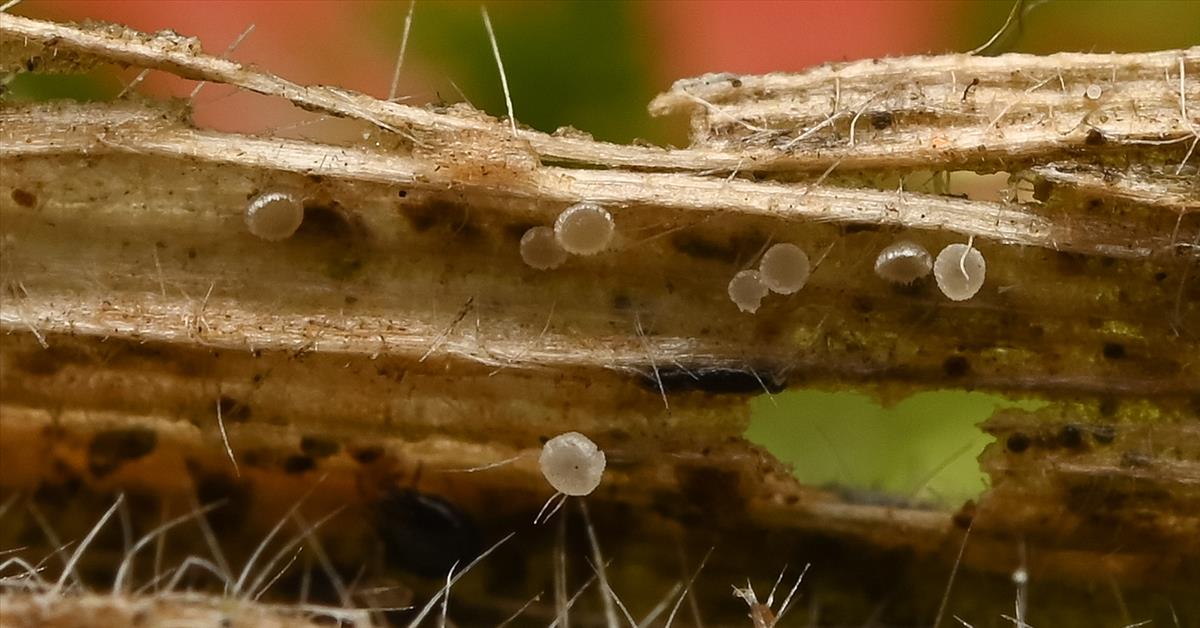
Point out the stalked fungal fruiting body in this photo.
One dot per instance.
(274, 215)
(584, 229)
(784, 268)
(747, 290)
(903, 262)
(541, 250)
(959, 270)
(572, 464)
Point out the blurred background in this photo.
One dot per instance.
(594, 65)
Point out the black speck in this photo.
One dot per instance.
(715, 380)
(859, 227)
(425, 534)
(191, 253)
(234, 497)
(449, 215)
(23, 197)
(735, 82)
(256, 458)
(1094, 138)
(1160, 275)
(402, 193)
(1070, 437)
(1042, 188)
(110, 449)
(298, 464)
(1017, 442)
(700, 247)
(58, 494)
(881, 119)
(233, 410)
(965, 515)
(325, 221)
(1114, 350)
(318, 447)
(366, 455)
(956, 366)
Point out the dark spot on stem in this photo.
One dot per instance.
(1070, 437)
(1114, 350)
(318, 447)
(24, 198)
(293, 465)
(717, 380)
(425, 534)
(232, 410)
(956, 366)
(881, 119)
(1017, 442)
(234, 498)
(110, 449)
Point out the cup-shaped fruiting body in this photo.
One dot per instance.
(903, 262)
(275, 215)
(584, 229)
(959, 270)
(746, 290)
(572, 464)
(540, 249)
(1093, 92)
(784, 268)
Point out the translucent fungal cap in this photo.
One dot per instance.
(746, 290)
(784, 268)
(903, 262)
(541, 250)
(1093, 92)
(959, 270)
(274, 215)
(584, 229)
(572, 464)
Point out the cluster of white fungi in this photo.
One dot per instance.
(586, 228)
(783, 269)
(581, 229)
(571, 463)
(959, 271)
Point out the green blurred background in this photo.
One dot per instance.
(594, 65)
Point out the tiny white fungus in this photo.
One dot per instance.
(1093, 92)
(1020, 576)
(784, 268)
(274, 215)
(903, 262)
(584, 229)
(572, 464)
(746, 290)
(541, 250)
(959, 270)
